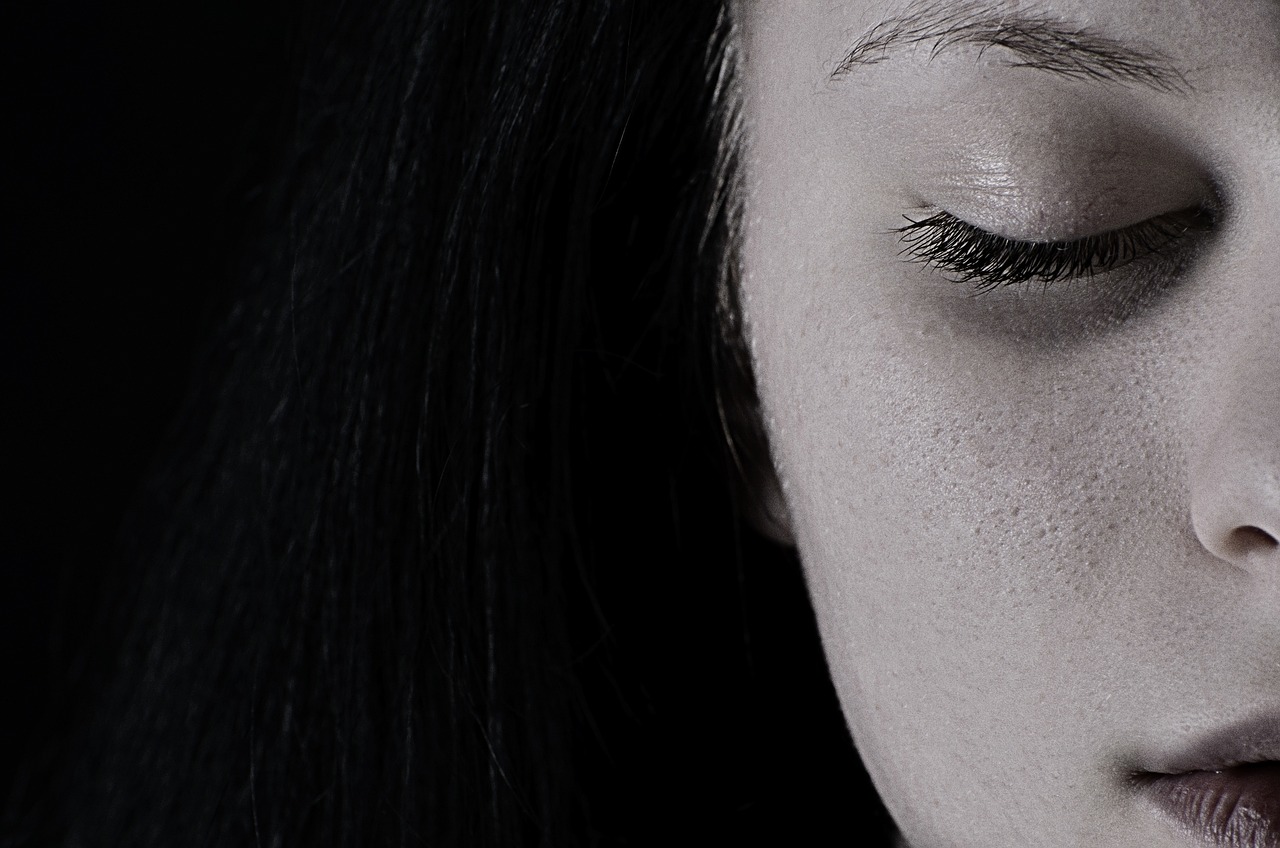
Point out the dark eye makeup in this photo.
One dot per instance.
(968, 254)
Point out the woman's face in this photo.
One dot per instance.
(1037, 507)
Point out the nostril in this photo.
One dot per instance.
(1244, 540)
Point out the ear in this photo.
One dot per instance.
(767, 508)
(754, 479)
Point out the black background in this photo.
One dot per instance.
(137, 138)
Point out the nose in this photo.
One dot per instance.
(1235, 472)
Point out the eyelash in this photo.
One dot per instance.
(988, 261)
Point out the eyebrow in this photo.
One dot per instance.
(1037, 41)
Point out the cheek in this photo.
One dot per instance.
(970, 510)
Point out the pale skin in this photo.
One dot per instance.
(1039, 525)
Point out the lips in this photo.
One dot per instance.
(1224, 790)
(1237, 807)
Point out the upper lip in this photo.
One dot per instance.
(1254, 739)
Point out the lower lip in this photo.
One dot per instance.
(1237, 807)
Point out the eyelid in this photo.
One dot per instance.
(969, 254)
(1059, 182)
(1058, 207)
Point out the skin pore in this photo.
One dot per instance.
(1038, 517)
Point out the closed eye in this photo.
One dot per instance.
(965, 253)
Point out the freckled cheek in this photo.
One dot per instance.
(956, 486)
(957, 529)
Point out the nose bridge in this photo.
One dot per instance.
(1235, 472)
(1242, 395)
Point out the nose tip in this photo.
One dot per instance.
(1235, 507)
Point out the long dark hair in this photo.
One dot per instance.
(448, 546)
